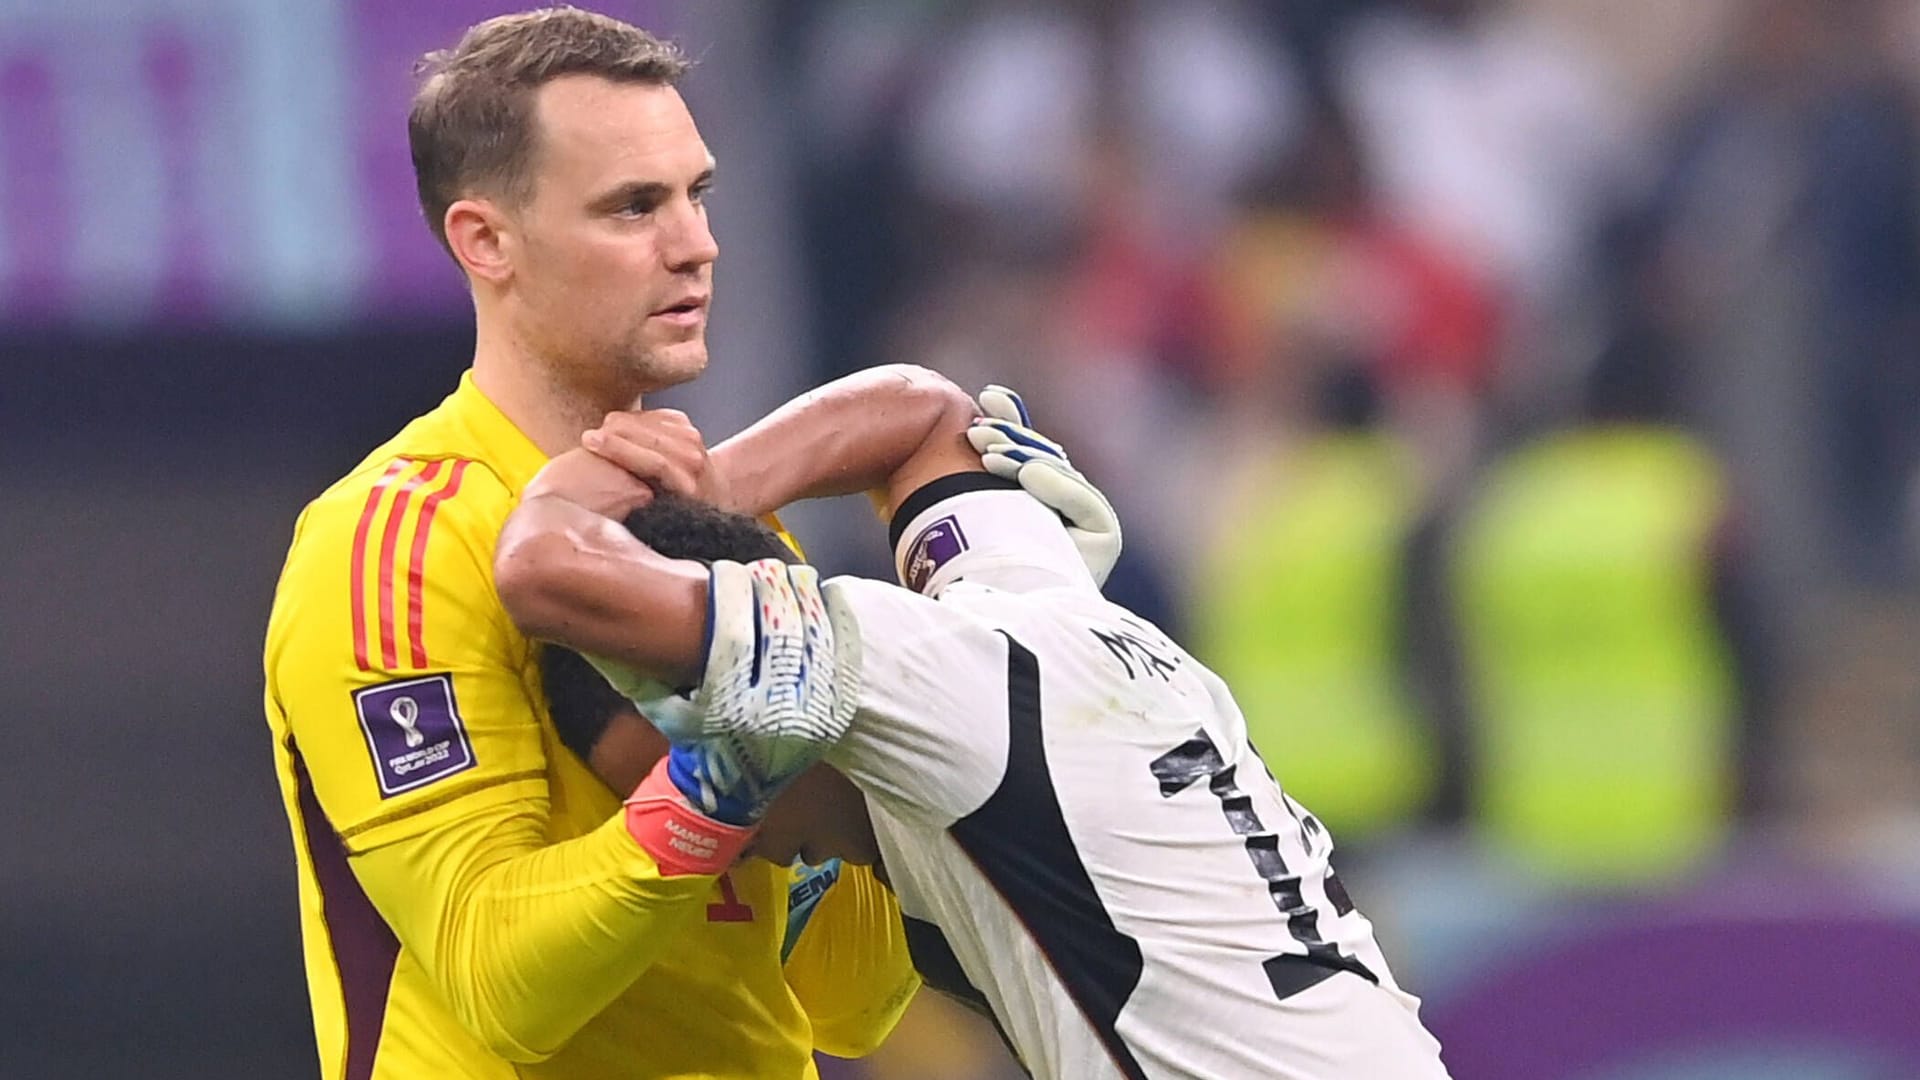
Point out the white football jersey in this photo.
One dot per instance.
(1067, 805)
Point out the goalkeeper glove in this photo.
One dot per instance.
(778, 690)
(1012, 450)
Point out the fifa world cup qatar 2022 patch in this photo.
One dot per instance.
(414, 730)
(937, 545)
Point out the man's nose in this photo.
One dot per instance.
(691, 244)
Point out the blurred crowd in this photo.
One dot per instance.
(1513, 398)
(1517, 401)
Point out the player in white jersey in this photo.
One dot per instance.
(1064, 800)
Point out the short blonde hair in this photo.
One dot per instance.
(471, 127)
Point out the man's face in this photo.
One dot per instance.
(614, 269)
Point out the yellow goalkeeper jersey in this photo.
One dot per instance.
(471, 902)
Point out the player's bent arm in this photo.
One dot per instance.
(565, 573)
(528, 941)
(887, 429)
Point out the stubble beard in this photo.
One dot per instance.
(643, 369)
(613, 376)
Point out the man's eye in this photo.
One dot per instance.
(700, 194)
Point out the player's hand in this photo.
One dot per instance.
(1012, 450)
(588, 480)
(663, 448)
(779, 688)
(778, 691)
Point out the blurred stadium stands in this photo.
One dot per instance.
(1340, 300)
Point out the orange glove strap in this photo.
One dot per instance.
(680, 838)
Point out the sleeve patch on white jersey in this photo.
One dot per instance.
(936, 546)
(986, 530)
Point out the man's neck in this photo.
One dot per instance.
(547, 411)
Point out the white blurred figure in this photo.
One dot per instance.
(1023, 99)
(1486, 127)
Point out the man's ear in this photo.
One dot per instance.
(482, 238)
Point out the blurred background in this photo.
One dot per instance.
(1518, 401)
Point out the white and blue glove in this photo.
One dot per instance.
(781, 682)
(1010, 449)
(779, 689)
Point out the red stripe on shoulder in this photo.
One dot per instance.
(417, 562)
(389, 545)
(358, 574)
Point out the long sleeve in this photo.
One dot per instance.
(850, 966)
(528, 941)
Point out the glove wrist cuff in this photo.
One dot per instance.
(680, 838)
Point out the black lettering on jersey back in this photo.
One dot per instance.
(1018, 839)
(1133, 648)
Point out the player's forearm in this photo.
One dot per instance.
(534, 941)
(569, 575)
(848, 436)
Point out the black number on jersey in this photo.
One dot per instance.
(1199, 759)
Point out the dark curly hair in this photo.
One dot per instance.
(579, 700)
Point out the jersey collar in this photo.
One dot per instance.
(513, 456)
(505, 447)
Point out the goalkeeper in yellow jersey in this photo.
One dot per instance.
(474, 902)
